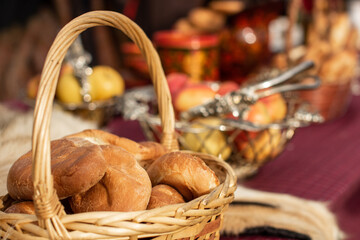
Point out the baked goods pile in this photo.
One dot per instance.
(332, 44)
(209, 19)
(333, 48)
(94, 170)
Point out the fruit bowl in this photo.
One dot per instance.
(246, 145)
(99, 112)
(93, 93)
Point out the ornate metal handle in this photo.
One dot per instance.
(301, 118)
(237, 101)
(79, 59)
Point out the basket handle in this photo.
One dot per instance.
(45, 199)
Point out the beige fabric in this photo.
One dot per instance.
(280, 211)
(15, 134)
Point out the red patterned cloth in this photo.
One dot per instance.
(322, 163)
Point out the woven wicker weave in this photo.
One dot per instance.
(200, 218)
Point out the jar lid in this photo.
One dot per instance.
(174, 39)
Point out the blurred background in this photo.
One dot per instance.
(27, 29)
(226, 43)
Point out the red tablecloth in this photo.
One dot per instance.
(322, 162)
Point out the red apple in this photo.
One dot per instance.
(226, 87)
(258, 114)
(276, 106)
(176, 81)
(193, 95)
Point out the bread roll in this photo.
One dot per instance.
(188, 174)
(95, 169)
(206, 19)
(162, 195)
(339, 31)
(124, 187)
(141, 151)
(76, 165)
(183, 25)
(229, 7)
(26, 207)
(341, 66)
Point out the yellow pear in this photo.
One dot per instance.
(210, 141)
(68, 89)
(105, 82)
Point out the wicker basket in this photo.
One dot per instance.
(330, 99)
(200, 218)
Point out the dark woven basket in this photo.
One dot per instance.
(331, 100)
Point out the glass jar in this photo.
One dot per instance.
(244, 44)
(195, 55)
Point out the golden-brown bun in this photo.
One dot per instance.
(183, 25)
(341, 66)
(155, 150)
(76, 165)
(26, 207)
(151, 150)
(318, 54)
(228, 7)
(141, 151)
(206, 19)
(340, 31)
(188, 174)
(125, 186)
(162, 195)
